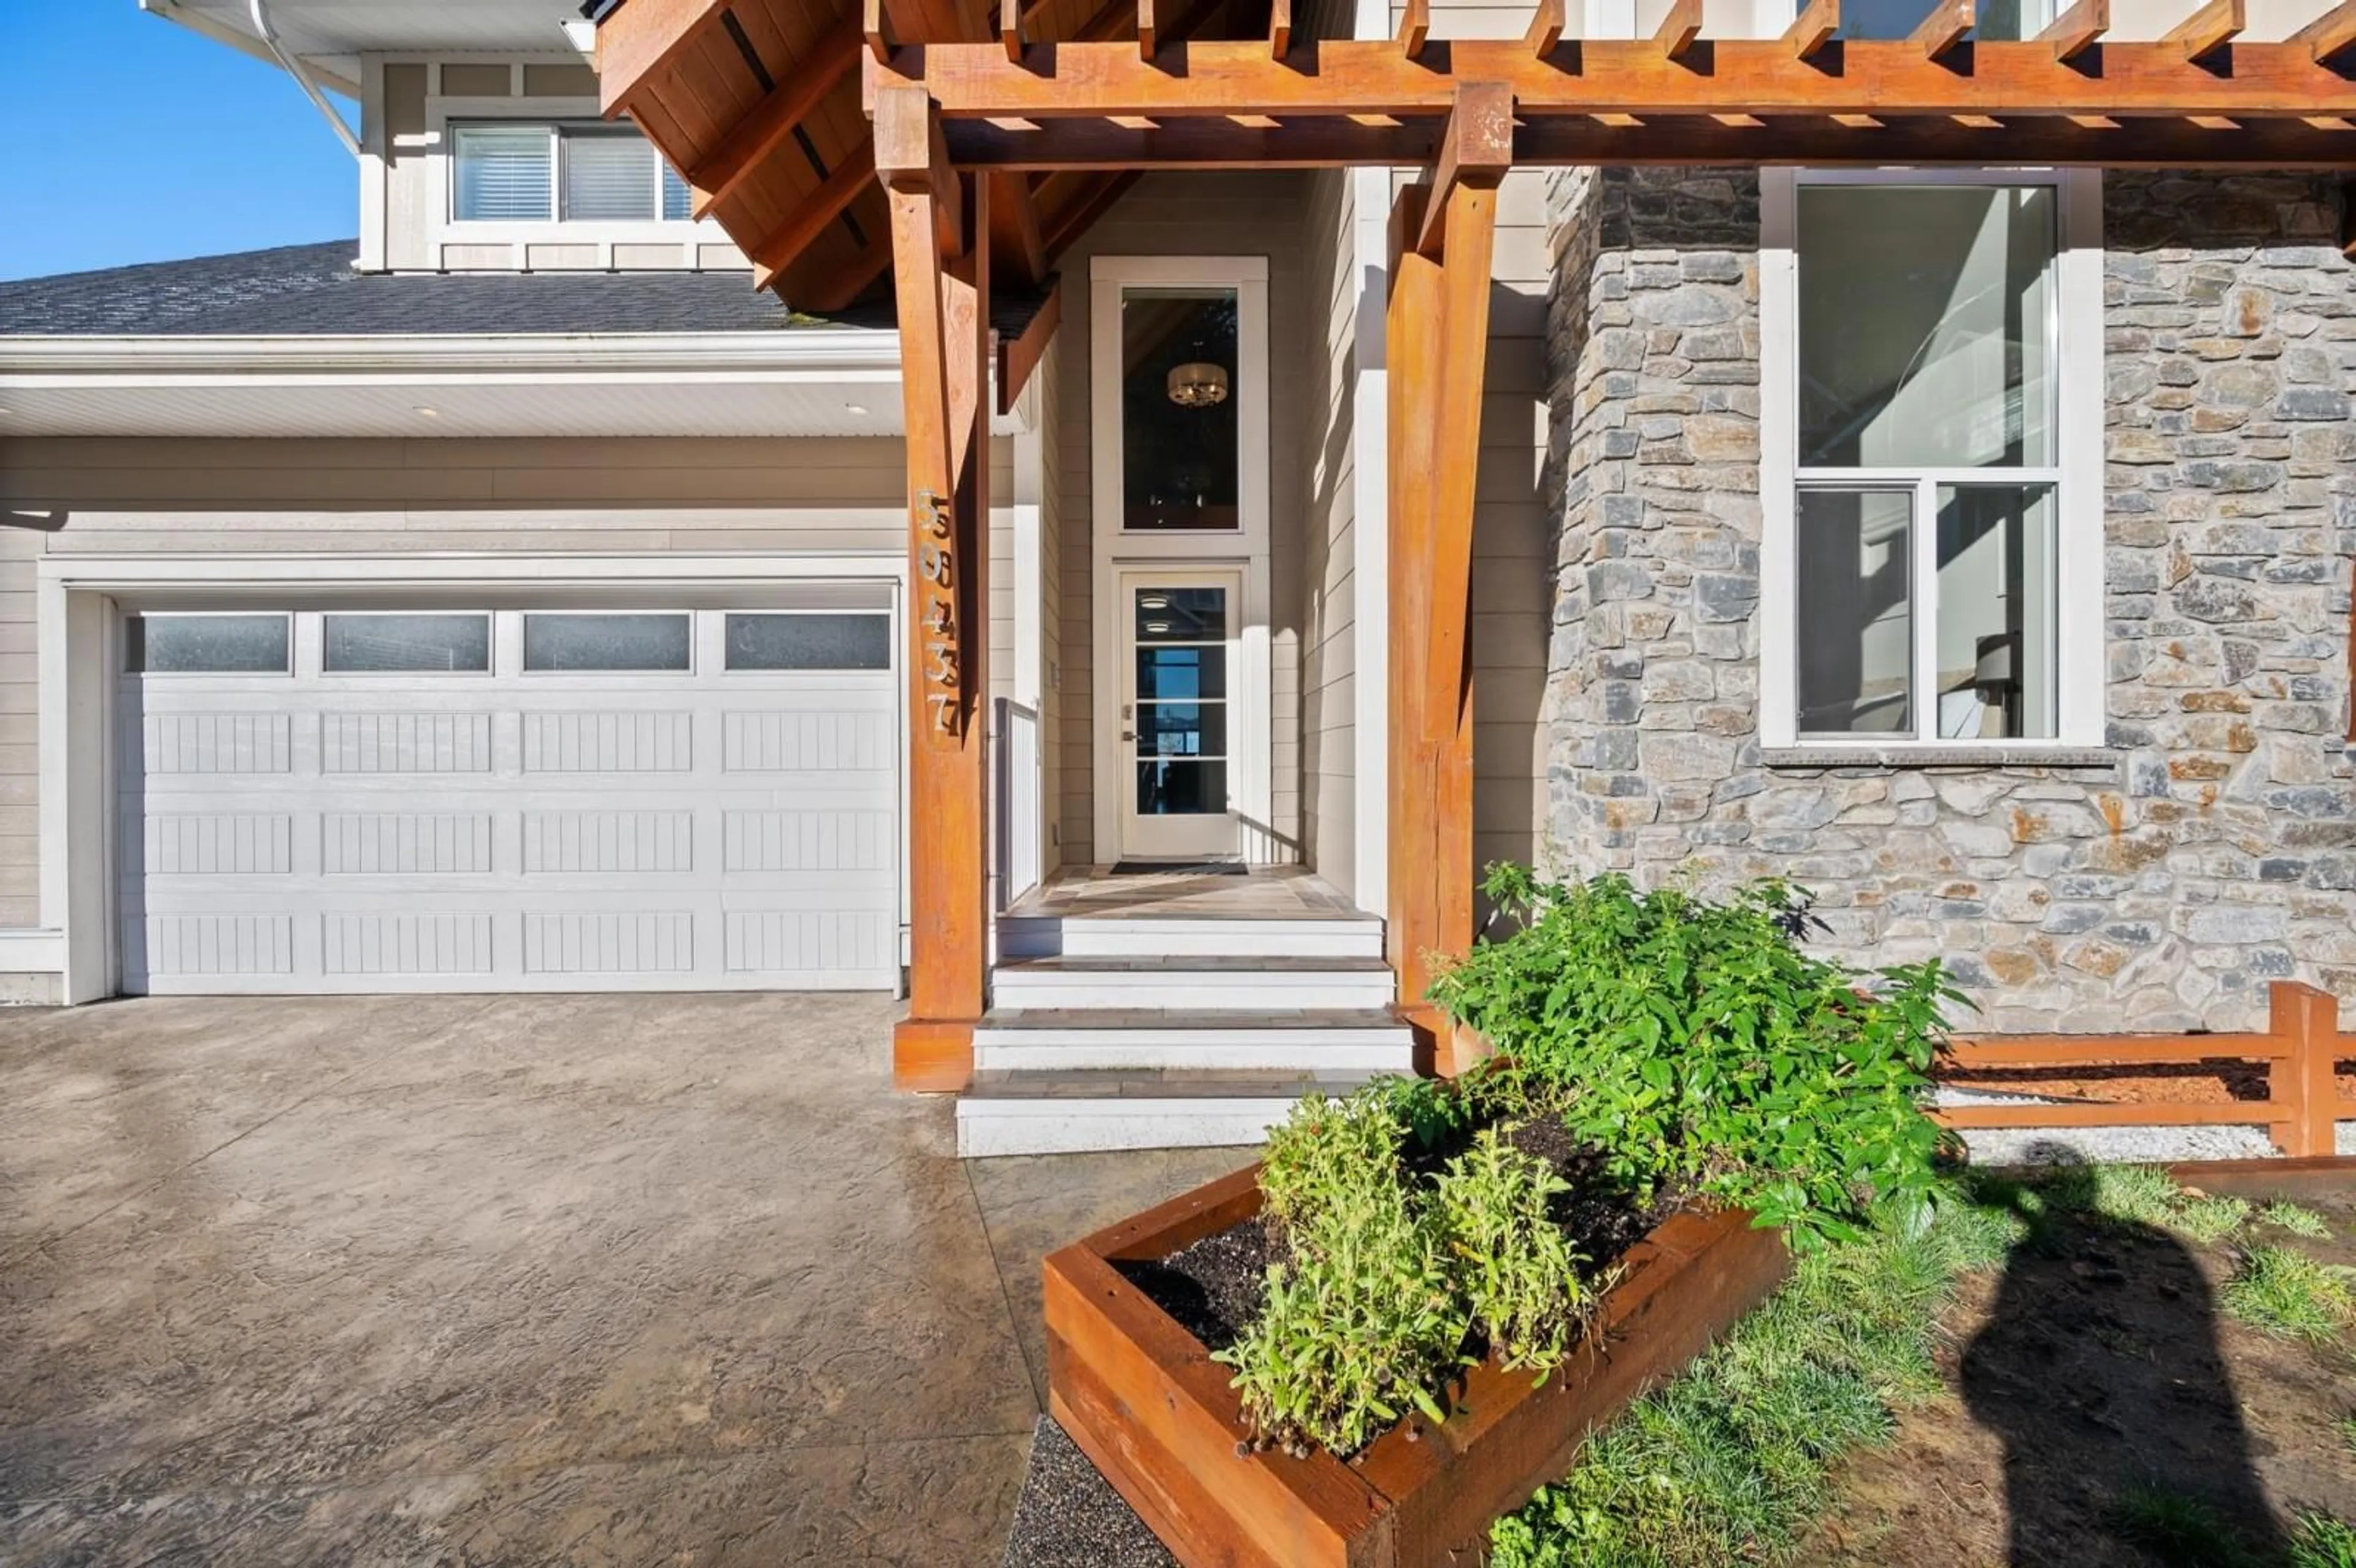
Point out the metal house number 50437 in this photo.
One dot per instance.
(942, 663)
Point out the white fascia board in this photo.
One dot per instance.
(137, 360)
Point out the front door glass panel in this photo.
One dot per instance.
(1180, 731)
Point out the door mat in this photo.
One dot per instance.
(1180, 869)
(1070, 1517)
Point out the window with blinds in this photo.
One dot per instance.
(575, 174)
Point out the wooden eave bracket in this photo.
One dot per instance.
(1476, 147)
(2208, 29)
(2079, 29)
(1020, 356)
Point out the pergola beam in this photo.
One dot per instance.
(1944, 28)
(1680, 27)
(1887, 80)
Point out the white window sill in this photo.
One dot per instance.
(2020, 754)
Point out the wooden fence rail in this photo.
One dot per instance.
(2300, 1047)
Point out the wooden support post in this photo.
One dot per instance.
(1443, 232)
(2301, 1083)
(941, 275)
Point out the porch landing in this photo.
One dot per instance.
(1265, 893)
(1172, 1009)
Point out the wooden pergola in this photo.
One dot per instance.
(970, 148)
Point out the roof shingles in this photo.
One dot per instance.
(312, 290)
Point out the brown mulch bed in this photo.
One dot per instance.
(2092, 1366)
(2213, 1082)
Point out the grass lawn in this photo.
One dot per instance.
(2096, 1370)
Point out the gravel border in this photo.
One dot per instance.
(1070, 1517)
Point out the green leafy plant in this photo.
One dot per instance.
(1362, 1321)
(1518, 1272)
(2323, 1541)
(1695, 1042)
(2299, 1220)
(2284, 1291)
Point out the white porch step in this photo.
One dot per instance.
(1233, 985)
(1015, 1113)
(1372, 1040)
(1180, 936)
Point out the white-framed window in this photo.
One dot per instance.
(519, 171)
(1930, 349)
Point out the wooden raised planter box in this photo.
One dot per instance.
(1143, 1398)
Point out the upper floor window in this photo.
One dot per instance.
(1994, 20)
(525, 172)
(1938, 555)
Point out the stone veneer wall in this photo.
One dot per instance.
(2160, 892)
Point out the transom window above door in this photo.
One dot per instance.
(1935, 533)
(1182, 460)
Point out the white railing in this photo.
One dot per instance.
(1018, 815)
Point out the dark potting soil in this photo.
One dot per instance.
(1214, 1288)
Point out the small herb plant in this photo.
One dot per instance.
(1361, 1322)
(1698, 1044)
(1518, 1272)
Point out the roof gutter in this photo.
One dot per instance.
(302, 75)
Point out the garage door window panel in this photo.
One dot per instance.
(209, 644)
(407, 645)
(625, 644)
(808, 642)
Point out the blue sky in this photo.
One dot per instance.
(192, 150)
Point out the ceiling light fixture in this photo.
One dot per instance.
(854, 408)
(428, 413)
(1154, 602)
(1157, 625)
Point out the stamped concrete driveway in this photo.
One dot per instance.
(527, 1280)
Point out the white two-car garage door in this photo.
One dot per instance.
(497, 799)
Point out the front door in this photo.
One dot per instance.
(1177, 742)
